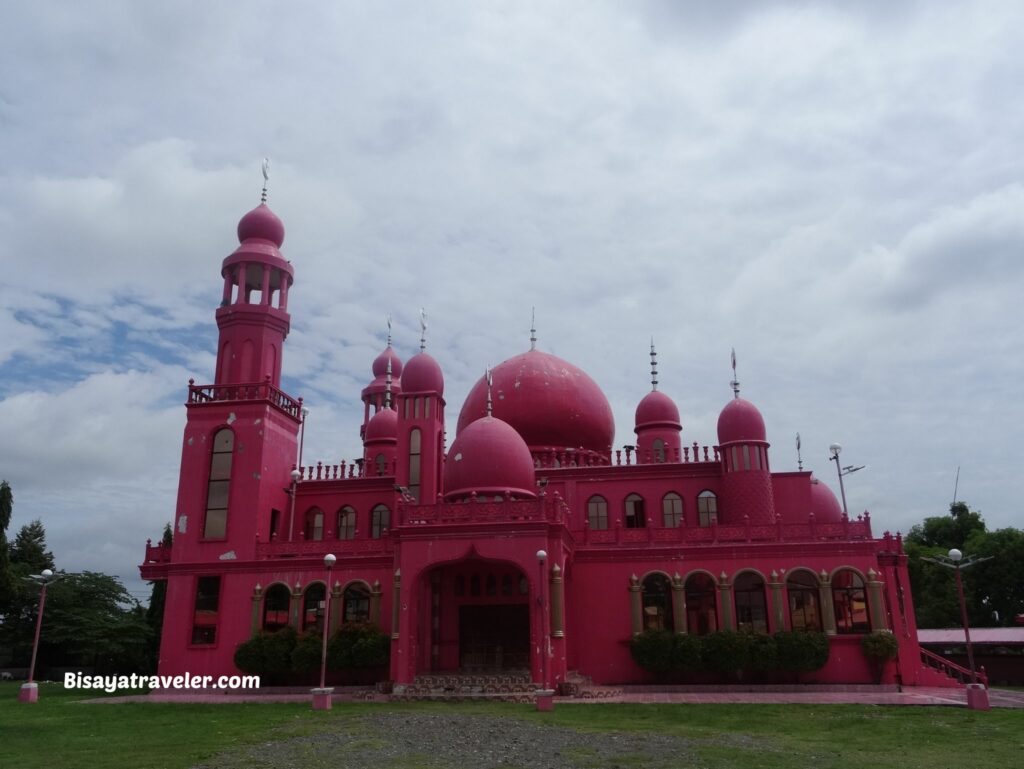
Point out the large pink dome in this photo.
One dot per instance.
(489, 458)
(740, 421)
(824, 505)
(382, 427)
(549, 402)
(261, 223)
(657, 410)
(380, 364)
(422, 374)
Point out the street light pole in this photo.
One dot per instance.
(545, 697)
(322, 695)
(834, 450)
(29, 691)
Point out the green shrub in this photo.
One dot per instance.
(726, 652)
(307, 652)
(880, 646)
(686, 653)
(268, 655)
(358, 645)
(800, 651)
(653, 651)
(762, 653)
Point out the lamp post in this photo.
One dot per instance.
(834, 450)
(545, 696)
(322, 696)
(296, 473)
(977, 696)
(29, 691)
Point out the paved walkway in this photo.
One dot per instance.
(998, 698)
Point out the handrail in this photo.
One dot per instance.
(953, 670)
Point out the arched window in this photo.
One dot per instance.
(355, 605)
(597, 513)
(380, 521)
(701, 607)
(635, 512)
(804, 614)
(658, 449)
(347, 523)
(276, 603)
(657, 603)
(672, 510)
(381, 462)
(218, 485)
(415, 451)
(707, 508)
(751, 606)
(314, 524)
(313, 607)
(850, 602)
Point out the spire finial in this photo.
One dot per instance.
(654, 366)
(533, 328)
(387, 384)
(490, 381)
(735, 382)
(266, 179)
(423, 329)
(799, 461)
(389, 337)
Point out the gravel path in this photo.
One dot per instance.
(459, 741)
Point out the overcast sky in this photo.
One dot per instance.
(834, 189)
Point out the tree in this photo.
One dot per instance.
(29, 548)
(6, 575)
(155, 612)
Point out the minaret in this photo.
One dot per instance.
(421, 424)
(373, 394)
(657, 423)
(253, 315)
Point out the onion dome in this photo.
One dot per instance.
(657, 410)
(261, 223)
(549, 402)
(382, 427)
(824, 505)
(488, 457)
(380, 364)
(422, 374)
(740, 421)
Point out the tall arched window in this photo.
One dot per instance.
(381, 462)
(657, 603)
(313, 607)
(635, 518)
(216, 524)
(415, 453)
(751, 606)
(707, 508)
(804, 614)
(380, 521)
(658, 449)
(276, 603)
(356, 603)
(597, 513)
(850, 602)
(314, 524)
(672, 510)
(347, 523)
(701, 607)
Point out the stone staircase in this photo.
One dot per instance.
(503, 686)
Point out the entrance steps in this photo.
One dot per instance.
(501, 686)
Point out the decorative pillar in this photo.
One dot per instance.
(828, 612)
(396, 603)
(335, 599)
(296, 607)
(678, 603)
(243, 294)
(557, 597)
(778, 604)
(636, 608)
(725, 602)
(265, 286)
(375, 596)
(257, 595)
(876, 604)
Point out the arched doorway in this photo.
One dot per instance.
(479, 617)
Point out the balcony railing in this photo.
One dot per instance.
(248, 391)
(158, 553)
(550, 509)
(319, 547)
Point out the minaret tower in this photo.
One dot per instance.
(421, 424)
(657, 423)
(253, 316)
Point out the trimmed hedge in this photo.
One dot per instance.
(277, 656)
(880, 646)
(729, 653)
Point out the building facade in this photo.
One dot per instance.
(529, 543)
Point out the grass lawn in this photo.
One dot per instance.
(59, 731)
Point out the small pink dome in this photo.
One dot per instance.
(740, 421)
(422, 374)
(657, 410)
(489, 457)
(380, 364)
(383, 426)
(824, 505)
(261, 223)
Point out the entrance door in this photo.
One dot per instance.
(495, 637)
